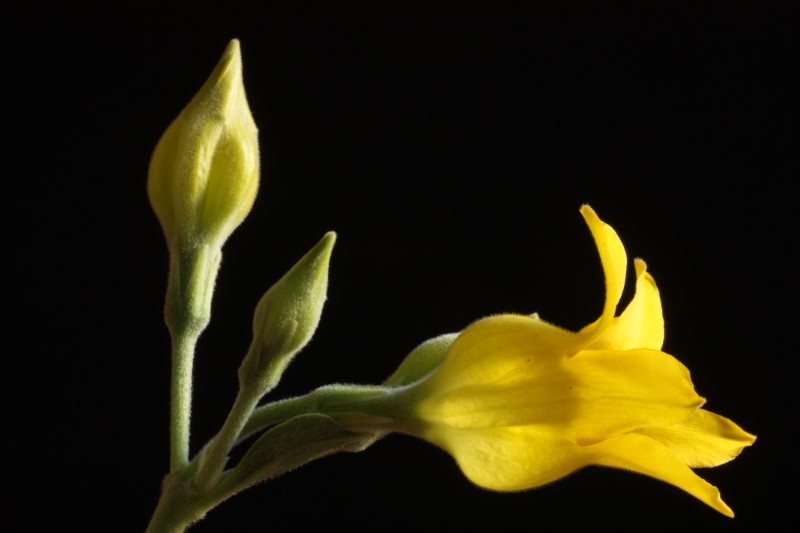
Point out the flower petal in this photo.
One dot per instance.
(616, 392)
(641, 325)
(614, 261)
(509, 458)
(514, 371)
(704, 440)
(644, 455)
(492, 348)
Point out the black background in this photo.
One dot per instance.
(451, 152)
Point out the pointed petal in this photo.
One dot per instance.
(511, 458)
(641, 325)
(642, 454)
(704, 440)
(614, 261)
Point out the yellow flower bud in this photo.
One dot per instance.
(286, 318)
(203, 176)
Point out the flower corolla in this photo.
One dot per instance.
(519, 402)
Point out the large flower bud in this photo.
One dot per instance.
(203, 176)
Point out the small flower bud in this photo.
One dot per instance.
(286, 318)
(203, 176)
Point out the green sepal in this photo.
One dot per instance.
(422, 360)
(292, 444)
(286, 317)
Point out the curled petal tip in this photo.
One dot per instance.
(587, 211)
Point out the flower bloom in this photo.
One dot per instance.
(519, 402)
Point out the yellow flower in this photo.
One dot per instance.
(519, 402)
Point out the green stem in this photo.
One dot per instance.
(183, 345)
(276, 412)
(178, 507)
(215, 455)
(187, 311)
(167, 518)
(331, 400)
(196, 488)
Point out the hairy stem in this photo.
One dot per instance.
(215, 455)
(187, 311)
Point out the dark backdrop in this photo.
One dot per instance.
(451, 152)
